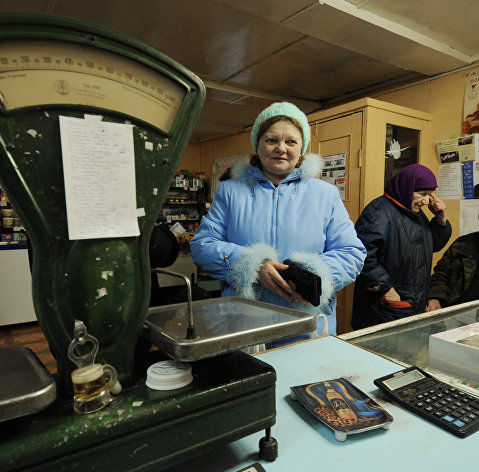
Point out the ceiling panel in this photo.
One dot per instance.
(386, 41)
(453, 23)
(355, 34)
(273, 10)
(40, 6)
(207, 37)
(315, 70)
(243, 113)
(314, 53)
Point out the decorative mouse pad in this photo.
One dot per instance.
(342, 407)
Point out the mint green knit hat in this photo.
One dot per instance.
(282, 109)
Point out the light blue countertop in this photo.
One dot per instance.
(305, 443)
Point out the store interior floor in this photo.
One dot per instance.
(28, 335)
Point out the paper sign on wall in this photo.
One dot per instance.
(461, 149)
(449, 181)
(458, 172)
(99, 175)
(469, 217)
(334, 172)
(471, 103)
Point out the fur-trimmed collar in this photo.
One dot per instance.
(310, 168)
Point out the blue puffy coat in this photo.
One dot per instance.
(303, 219)
(400, 244)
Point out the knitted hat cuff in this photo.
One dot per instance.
(282, 109)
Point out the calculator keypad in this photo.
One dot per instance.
(447, 404)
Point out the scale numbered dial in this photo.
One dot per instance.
(50, 72)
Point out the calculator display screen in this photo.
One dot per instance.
(402, 380)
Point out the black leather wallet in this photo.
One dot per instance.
(308, 284)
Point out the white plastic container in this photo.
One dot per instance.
(448, 352)
(168, 375)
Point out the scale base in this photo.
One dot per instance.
(231, 396)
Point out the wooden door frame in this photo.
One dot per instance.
(353, 132)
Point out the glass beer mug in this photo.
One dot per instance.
(93, 383)
(92, 387)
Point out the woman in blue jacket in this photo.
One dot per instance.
(274, 208)
(400, 241)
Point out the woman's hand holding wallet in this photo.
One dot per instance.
(270, 278)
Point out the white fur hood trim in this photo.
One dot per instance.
(245, 272)
(310, 168)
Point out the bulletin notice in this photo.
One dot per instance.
(99, 175)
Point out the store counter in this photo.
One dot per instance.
(305, 443)
(406, 341)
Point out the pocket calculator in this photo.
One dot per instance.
(448, 407)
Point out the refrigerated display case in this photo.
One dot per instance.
(16, 304)
(406, 341)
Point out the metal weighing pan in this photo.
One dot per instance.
(222, 325)
(26, 386)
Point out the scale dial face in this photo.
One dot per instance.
(51, 72)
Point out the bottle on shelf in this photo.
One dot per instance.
(12, 233)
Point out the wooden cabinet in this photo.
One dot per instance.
(365, 141)
(360, 129)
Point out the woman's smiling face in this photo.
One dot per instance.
(279, 149)
(420, 199)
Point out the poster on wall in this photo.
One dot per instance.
(468, 180)
(334, 172)
(469, 217)
(449, 181)
(461, 149)
(458, 176)
(221, 166)
(471, 103)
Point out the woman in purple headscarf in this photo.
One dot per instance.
(400, 241)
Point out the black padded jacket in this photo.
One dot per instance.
(400, 244)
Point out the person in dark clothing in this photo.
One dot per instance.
(400, 241)
(164, 249)
(226, 175)
(456, 275)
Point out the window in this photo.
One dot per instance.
(401, 149)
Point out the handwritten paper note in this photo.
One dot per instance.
(449, 181)
(99, 174)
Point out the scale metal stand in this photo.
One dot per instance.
(52, 67)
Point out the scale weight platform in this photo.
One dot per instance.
(231, 396)
(221, 325)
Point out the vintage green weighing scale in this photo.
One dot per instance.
(52, 69)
